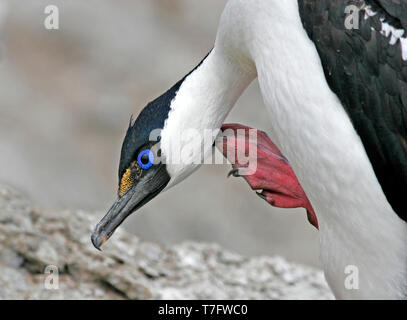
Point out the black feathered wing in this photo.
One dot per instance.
(369, 75)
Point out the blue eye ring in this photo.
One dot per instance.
(150, 159)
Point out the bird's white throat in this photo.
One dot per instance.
(201, 105)
(357, 225)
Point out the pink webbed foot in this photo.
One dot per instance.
(266, 170)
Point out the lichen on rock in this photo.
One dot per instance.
(32, 239)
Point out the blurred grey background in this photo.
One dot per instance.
(66, 97)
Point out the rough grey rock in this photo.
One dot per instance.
(32, 239)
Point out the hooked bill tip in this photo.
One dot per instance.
(98, 240)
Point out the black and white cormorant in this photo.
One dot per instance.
(337, 100)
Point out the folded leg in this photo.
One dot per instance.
(273, 178)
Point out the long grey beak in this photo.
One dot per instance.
(149, 186)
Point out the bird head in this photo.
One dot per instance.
(167, 142)
(142, 170)
(147, 164)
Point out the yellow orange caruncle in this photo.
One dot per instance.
(126, 182)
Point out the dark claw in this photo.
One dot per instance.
(261, 195)
(234, 172)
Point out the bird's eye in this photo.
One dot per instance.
(145, 159)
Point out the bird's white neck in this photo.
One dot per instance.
(200, 107)
(310, 126)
